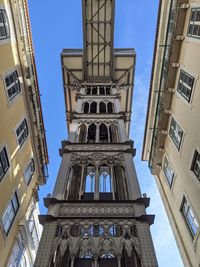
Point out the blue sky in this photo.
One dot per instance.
(58, 25)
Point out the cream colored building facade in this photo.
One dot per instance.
(172, 135)
(23, 151)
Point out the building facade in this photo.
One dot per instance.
(23, 150)
(96, 214)
(172, 137)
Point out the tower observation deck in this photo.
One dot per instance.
(96, 214)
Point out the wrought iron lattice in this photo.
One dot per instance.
(98, 23)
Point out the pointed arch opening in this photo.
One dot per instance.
(104, 179)
(94, 90)
(86, 107)
(113, 132)
(93, 107)
(89, 183)
(110, 107)
(103, 133)
(102, 90)
(108, 90)
(82, 133)
(91, 137)
(88, 91)
(102, 107)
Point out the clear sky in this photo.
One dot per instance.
(57, 25)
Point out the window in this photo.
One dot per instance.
(168, 171)
(104, 180)
(196, 164)
(189, 217)
(176, 133)
(16, 256)
(12, 85)
(194, 23)
(10, 213)
(4, 27)
(96, 230)
(4, 163)
(90, 179)
(33, 231)
(185, 85)
(22, 132)
(115, 230)
(91, 136)
(29, 171)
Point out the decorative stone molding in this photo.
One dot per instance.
(97, 158)
(99, 120)
(115, 210)
(81, 238)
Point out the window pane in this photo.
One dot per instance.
(8, 217)
(194, 28)
(2, 32)
(1, 171)
(22, 132)
(12, 85)
(89, 185)
(1, 16)
(196, 164)
(198, 15)
(15, 203)
(185, 85)
(176, 133)
(189, 217)
(29, 171)
(9, 213)
(33, 231)
(167, 169)
(4, 163)
(4, 28)
(193, 15)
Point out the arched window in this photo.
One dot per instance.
(88, 92)
(86, 107)
(104, 180)
(113, 132)
(90, 179)
(102, 91)
(108, 90)
(103, 133)
(94, 90)
(102, 107)
(91, 133)
(110, 107)
(82, 133)
(93, 107)
(120, 181)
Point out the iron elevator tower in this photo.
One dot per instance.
(96, 214)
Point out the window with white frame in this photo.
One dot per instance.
(185, 85)
(29, 171)
(4, 26)
(10, 213)
(12, 84)
(22, 132)
(168, 171)
(194, 23)
(33, 231)
(16, 253)
(196, 164)
(189, 217)
(176, 133)
(4, 163)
